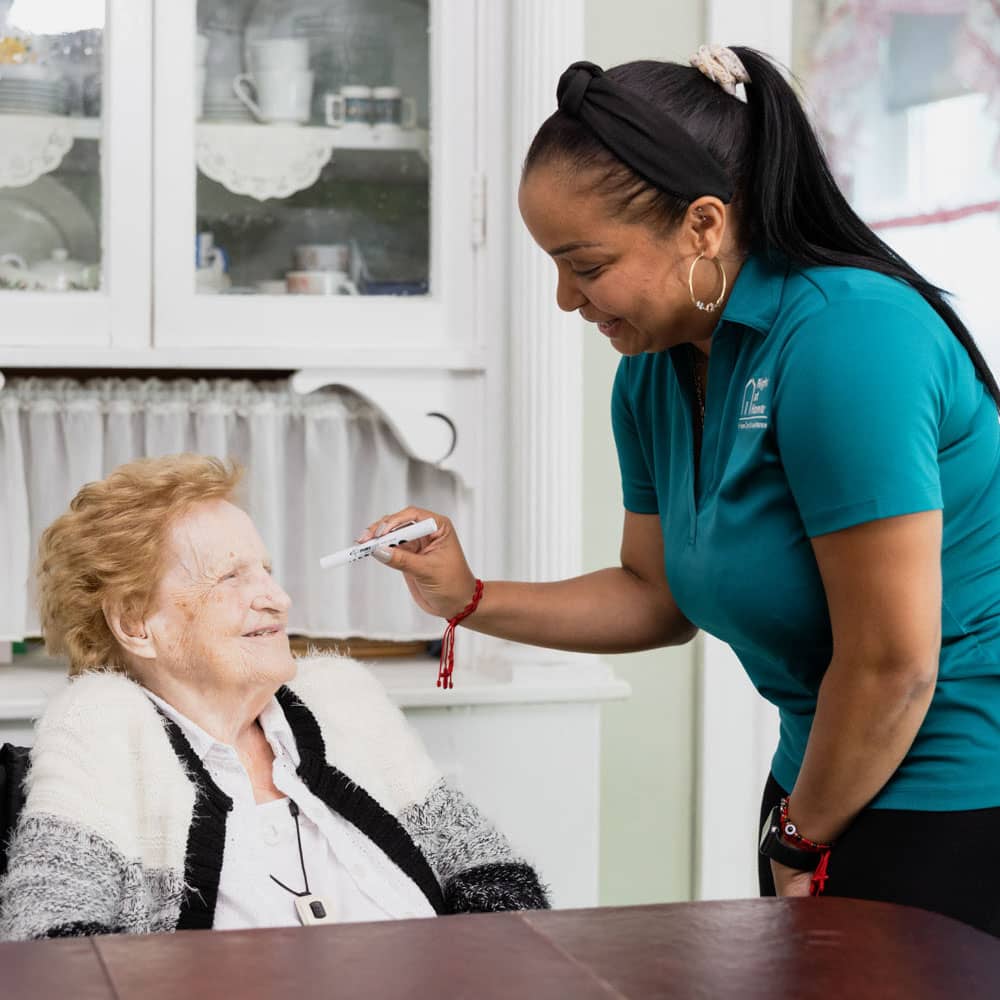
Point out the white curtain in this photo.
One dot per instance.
(319, 468)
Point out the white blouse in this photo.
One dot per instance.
(353, 877)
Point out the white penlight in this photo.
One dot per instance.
(407, 533)
(56, 17)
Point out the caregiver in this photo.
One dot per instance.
(808, 442)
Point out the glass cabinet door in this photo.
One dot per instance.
(55, 166)
(277, 85)
(51, 75)
(323, 132)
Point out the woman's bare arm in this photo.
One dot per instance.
(615, 610)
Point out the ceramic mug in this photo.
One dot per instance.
(211, 276)
(320, 283)
(204, 249)
(284, 55)
(281, 96)
(322, 257)
(391, 110)
(352, 106)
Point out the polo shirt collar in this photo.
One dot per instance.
(756, 296)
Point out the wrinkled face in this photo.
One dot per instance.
(626, 278)
(219, 620)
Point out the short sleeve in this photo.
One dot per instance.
(638, 485)
(858, 403)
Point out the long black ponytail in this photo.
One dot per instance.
(787, 200)
(797, 207)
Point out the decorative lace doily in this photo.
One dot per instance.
(32, 145)
(263, 161)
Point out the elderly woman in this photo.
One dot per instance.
(194, 774)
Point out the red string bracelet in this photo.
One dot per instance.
(818, 881)
(790, 832)
(447, 665)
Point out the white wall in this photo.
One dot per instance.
(647, 788)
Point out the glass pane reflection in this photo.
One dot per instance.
(312, 147)
(51, 72)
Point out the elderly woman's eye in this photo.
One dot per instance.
(231, 575)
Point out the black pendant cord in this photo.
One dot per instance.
(294, 810)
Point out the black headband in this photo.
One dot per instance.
(642, 137)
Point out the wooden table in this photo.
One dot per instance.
(797, 949)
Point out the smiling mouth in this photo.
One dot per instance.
(263, 633)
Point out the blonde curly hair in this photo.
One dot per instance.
(108, 550)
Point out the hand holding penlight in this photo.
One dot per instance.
(408, 533)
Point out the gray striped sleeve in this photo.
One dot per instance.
(473, 861)
(65, 880)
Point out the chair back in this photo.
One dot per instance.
(14, 763)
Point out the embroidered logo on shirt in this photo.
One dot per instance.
(753, 412)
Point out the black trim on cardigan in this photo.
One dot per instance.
(79, 928)
(351, 801)
(495, 888)
(206, 838)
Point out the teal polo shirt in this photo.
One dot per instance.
(836, 396)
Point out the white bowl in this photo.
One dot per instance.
(25, 71)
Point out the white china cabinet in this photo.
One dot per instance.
(74, 175)
(324, 191)
(403, 198)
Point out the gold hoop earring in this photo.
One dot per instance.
(698, 304)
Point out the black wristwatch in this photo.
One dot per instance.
(772, 846)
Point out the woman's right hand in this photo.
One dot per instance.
(434, 567)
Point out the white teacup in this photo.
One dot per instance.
(290, 55)
(320, 283)
(322, 257)
(281, 96)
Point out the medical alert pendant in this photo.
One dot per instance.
(313, 910)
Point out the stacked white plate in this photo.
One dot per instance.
(226, 112)
(32, 97)
(221, 104)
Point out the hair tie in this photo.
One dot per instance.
(723, 67)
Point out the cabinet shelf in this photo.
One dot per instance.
(78, 128)
(275, 161)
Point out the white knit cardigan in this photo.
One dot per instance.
(121, 828)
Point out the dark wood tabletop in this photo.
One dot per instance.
(797, 948)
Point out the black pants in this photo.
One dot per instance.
(940, 861)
